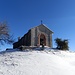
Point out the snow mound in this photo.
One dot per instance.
(47, 62)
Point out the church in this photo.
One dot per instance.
(36, 36)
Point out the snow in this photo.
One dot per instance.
(36, 62)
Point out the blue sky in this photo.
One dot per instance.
(58, 15)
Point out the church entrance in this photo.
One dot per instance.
(42, 39)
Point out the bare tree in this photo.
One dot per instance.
(5, 36)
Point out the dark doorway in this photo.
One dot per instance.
(42, 39)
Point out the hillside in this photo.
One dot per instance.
(48, 62)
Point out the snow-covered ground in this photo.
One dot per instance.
(47, 62)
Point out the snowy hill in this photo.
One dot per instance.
(37, 63)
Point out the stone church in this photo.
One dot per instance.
(35, 37)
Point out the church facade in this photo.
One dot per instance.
(35, 37)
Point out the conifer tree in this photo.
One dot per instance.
(62, 44)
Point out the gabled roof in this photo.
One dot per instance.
(43, 26)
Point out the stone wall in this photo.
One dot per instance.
(37, 31)
(24, 41)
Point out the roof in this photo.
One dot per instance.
(44, 26)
